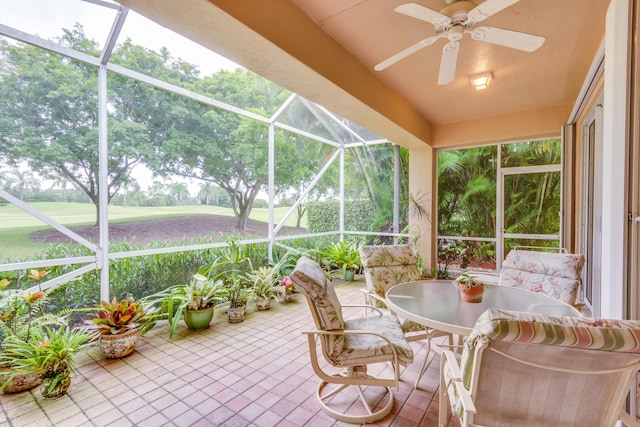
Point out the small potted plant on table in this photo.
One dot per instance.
(471, 289)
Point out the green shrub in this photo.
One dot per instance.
(324, 216)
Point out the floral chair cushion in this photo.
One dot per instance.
(576, 332)
(360, 349)
(310, 280)
(386, 266)
(553, 274)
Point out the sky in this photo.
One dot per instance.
(47, 18)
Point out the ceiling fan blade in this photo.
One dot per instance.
(406, 52)
(448, 62)
(508, 38)
(418, 11)
(488, 8)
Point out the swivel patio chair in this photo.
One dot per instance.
(556, 274)
(386, 266)
(523, 369)
(350, 345)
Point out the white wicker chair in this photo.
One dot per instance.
(386, 266)
(523, 369)
(350, 345)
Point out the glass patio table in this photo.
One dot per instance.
(436, 304)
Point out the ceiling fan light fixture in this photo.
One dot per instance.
(481, 81)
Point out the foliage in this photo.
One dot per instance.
(467, 185)
(23, 311)
(324, 216)
(238, 292)
(468, 281)
(342, 255)
(50, 108)
(264, 279)
(118, 317)
(171, 303)
(48, 351)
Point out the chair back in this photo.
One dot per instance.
(310, 280)
(554, 274)
(535, 370)
(386, 266)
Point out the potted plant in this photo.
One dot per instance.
(21, 312)
(238, 296)
(343, 256)
(194, 302)
(285, 290)
(264, 283)
(49, 352)
(120, 325)
(263, 287)
(471, 289)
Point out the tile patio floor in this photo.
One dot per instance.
(254, 373)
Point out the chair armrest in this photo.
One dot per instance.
(627, 419)
(451, 384)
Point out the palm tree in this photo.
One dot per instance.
(179, 192)
(21, 181)
(208, 193)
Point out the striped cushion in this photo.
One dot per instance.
(576, 332)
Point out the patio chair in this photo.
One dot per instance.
(386, 266)
(532, 370)
(350, 345)
(556, 274)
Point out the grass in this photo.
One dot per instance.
(16, 225)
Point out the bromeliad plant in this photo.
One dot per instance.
(117, 317)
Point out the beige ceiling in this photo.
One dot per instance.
(325, 50)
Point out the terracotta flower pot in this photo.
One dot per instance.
(19, 383)
(120, 345)
(471, 293)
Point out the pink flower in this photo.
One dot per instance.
(286, 286)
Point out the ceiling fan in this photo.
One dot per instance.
(454, 21)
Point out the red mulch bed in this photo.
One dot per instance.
(167, 229)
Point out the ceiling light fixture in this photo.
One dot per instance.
(481, 81)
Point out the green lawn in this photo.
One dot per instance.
(16, 225)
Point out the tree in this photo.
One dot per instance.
(178, 193)
(50, 117)
(221, 147)
(19, 181)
